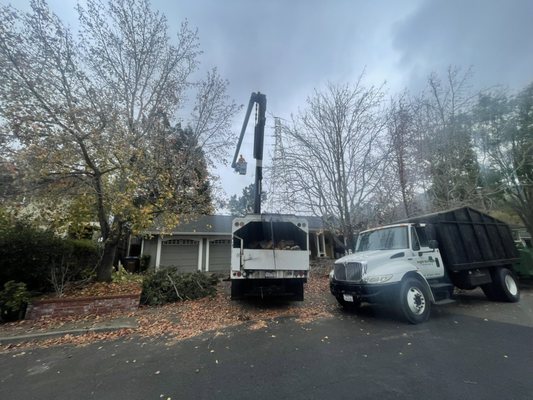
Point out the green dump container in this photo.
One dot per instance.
(524, 268)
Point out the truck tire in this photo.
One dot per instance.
(415, 304)
(348, 305)
(504, 286)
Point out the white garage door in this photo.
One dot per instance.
(180, 253)
(219, 255)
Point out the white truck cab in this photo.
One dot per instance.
(383, 257)
(399, 265)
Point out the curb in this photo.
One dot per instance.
(53, 334)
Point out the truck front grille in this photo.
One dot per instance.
(349, 272)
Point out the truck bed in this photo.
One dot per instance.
(469, 238)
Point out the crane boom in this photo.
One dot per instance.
(259, 138)
(270, 252)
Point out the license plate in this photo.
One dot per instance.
(270, 274)
(348, 297)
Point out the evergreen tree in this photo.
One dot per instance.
(244, 204)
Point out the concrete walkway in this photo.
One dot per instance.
(16, 334)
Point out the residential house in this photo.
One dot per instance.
(204, 244)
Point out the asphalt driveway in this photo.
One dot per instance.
(473, 349)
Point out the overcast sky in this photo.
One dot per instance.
(286, 48)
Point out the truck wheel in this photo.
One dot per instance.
(348, 305)
(415, 304)
(506, 285)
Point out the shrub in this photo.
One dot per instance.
(168, 285)
(13, 301)
(34, 257)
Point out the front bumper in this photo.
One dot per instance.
(363, 292)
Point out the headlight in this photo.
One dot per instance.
(378, 278)
(331, 274)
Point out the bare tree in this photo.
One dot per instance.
(505, 129)
(335, 153)
(212, 115)
(444, 138)
(402, 142)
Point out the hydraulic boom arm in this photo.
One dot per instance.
(259, 136)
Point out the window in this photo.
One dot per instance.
(414, 240)
(383, 239)
(422, 237)
(179, 242)
(226, 242)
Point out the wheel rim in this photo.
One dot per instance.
(510, 284)
(416, 301)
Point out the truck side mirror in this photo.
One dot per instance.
(433, 244)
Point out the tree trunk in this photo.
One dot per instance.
(104, 268)
(349, 238)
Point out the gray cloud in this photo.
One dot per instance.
(494, 37)
(286, 48)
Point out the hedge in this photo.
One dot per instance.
(28, 255)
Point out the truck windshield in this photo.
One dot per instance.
(383, 239)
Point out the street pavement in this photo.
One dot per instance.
(473, 349)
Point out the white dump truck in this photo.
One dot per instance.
(269, 256)
(418, 262)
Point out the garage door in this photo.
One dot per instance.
(180, 253)
(219, 255)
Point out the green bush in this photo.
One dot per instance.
(29, 255)
(168, 285)
(13, 301)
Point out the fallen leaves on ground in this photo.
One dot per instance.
(178, 321)
(97, 289)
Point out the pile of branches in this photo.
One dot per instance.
(168, 285)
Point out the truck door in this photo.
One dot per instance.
(428, 261)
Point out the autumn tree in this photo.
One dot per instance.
(181, 159)
(335, 153)
(88, 111)
(8, 177)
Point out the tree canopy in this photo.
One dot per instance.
(89, 115)
(334, 154)
(244, 204)
(356, 162)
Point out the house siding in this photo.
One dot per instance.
(211, 250)
(150, 249)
